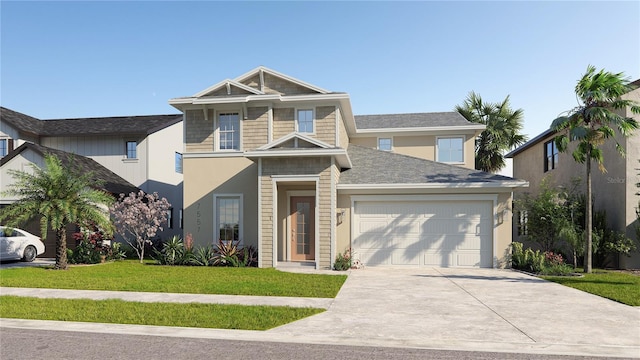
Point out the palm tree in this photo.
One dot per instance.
(590, 124)
(60, 195)
(502, 133)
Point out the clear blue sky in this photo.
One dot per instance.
(84, 59)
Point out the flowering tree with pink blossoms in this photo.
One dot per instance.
(138, 217)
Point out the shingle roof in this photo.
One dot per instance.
(111, 181)
(434, 119)
(21, 121)
(89, 126)
(109, 125)
(372, 166)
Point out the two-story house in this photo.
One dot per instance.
(613, 191)
(280, 164)
(143, 151)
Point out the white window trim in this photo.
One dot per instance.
(384, 137)
(313, 119)
(215, 216)
(126, 150)
(6, 140)
(216, 129)
(464, 155)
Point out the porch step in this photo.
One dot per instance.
(296, 264)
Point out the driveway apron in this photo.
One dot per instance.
(471, 308)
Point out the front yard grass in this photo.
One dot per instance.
(614, 285)
(130, 275)
(160, 314)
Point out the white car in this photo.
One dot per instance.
(16, 244)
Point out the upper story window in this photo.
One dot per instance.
(550, 155)
(304, 121)
(384, 144)
(229, 128)
(450, 149)
(178, 163)
(131, 147)
(4, 147)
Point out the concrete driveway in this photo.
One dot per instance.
(475, 309)
(37, 262)
(433, 308)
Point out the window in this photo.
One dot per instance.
(450, 150)
(384, 144)
(178, 164)
(181, 218)
(522, 223)
(131, 149)
(4, 149)
(229, 124)
(304, 121)
(170, 218)
(550, 155)
(228, 217)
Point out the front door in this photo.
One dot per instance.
(303, 228)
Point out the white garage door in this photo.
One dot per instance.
(423, 233)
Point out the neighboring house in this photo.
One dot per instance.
(27, 154)
(146, 151)
(285, 166)
(613, 191)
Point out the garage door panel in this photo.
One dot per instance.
(370, 226)
(475, 259)
(440, 259)
(371, 241)
(424, 233)
(405, 257)
(405, 241)
(376, 257)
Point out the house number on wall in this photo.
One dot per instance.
(198, 217)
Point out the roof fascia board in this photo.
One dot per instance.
(422, 129)
(494, 184)
(248, 98)
(340, 154)
(224, 83)
(282, 76)
(292, 136)
(530, 143)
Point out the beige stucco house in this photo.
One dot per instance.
(283, 165)
(613, 191)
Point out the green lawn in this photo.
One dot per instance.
(133, 276)
(618, 286)
(160, 314)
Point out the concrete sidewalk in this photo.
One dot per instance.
(170, 298)
(450, 309)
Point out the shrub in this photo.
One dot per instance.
(249, 256)
(173, 252)
(227, 254)
(203, 256)
(343, 261)
(547, 263)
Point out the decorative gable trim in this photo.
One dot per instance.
(261, 70)
(295, 135)
(228, 83)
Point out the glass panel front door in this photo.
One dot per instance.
(302, 228)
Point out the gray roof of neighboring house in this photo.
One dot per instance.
(111, 181)
(372, 166)
(90, 126)
(434, 119)
(21, 121)
(110, 125)
(530, 143)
